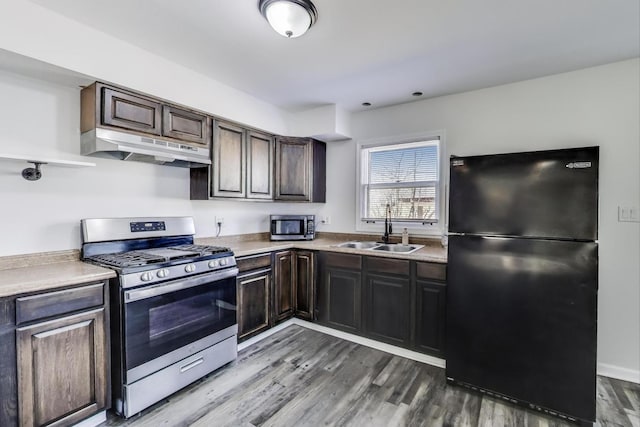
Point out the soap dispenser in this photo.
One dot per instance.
(405, 237)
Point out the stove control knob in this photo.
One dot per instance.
(190, 268)
(163, 273)
(213, 264)
(145, 277)
(224, 261)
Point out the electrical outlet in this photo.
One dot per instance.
(326, 220)
(220, 220)
(628, 214)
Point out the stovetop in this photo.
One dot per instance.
(151, 250)
(158, 255)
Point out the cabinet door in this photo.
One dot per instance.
(430, 317)
(253, 303)
(259, 166)
(388, 309)
(228, 160)
(130, 112)
(293, 169)
(283, 281)
(304, 284)
(62, 369)
(184, 125)
(339, 301)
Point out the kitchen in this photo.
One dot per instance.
(581, 107)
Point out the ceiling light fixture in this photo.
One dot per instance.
(290, 18)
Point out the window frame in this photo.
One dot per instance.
(414, 227)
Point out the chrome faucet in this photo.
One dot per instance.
(387, 224)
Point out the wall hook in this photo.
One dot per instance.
(33, 174)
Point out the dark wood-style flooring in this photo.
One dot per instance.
(300, 377)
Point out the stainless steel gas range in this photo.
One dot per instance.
(173, 305)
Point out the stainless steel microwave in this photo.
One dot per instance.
(293, 227)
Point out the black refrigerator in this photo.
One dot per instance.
(523, 278)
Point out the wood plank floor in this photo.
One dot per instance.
(300, 377)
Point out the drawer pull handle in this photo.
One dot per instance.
(191, 365)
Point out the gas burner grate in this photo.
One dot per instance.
(127, 259)
(202, 249)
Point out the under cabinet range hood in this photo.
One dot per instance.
(126, 146)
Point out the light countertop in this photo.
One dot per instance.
(31, 273)
(433, 252)
(45, 277)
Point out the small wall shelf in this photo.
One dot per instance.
(34, 173)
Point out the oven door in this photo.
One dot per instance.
(166, 322)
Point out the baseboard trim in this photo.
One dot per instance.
(618, 373)
(93, 421)
(387, 348)
(251, 341)
(604, 369)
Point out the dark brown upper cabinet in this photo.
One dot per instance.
(127, 111)
(111, 107)
(242, 163)
(300, 169)
(229, 163)
(185, 125)
(259, 166)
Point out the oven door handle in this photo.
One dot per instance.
(165, 288)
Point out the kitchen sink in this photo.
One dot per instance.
(359, 245)
(405, 249)
(377, 246)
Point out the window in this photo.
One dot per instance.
(405, 176)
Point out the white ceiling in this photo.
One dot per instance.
(372, 50)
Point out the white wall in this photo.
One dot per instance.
(41, 119)
(596, 106)
(36, 32)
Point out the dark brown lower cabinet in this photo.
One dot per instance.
(304, 273)
(397, 301)
(430, 317)
(62, 374)
(387, 308)
(54, 356)
(254, 295)
(343, 300)
(283, 280)
(339, 302)
(253, 303)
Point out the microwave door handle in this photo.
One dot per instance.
(165, 288)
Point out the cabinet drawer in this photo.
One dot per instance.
(58, 303)
(387, 265)
(353, 262)
(431, 270)
(254, 262)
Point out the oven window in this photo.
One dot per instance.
(160, 324)
(295, 227)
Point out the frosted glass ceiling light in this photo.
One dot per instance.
(291, 18)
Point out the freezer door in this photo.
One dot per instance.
(552, 194)
(521, 320)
